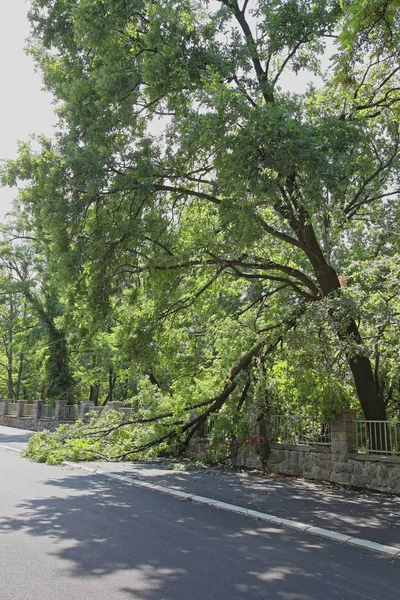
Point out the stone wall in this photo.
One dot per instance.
(374, 472)
(35, 422)
(31, 424)
(337, 462)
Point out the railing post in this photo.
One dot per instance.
(59, 412)
(344, 433)
(37, 415)
(4, 409)
(20, 408)
(84, 408)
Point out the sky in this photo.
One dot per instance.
(24, 108)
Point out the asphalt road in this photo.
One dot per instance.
(358, 513)
(66, 534)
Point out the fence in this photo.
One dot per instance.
(68, 412)
(299, 430)
(370, 437)
(378, 437)
(47, 412)
(12, 409)
(28, 410)
(61, 412)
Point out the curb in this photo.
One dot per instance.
(391, 551)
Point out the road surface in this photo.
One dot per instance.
(66, 534)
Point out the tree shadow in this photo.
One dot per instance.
(371, 515)
(157, 547)
(22, 438)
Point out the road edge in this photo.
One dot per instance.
(349, 540)
(391, 551)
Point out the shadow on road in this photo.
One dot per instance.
(359, 513)
(22, 438)
(160, 546)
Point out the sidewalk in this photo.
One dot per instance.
(368, 515)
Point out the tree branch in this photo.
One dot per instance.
(233, 6)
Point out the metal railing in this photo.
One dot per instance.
(378, 437)
(47, 412)
(28, 410)
(68, 412)
(12, 409)
(299, 430)
(207, 428)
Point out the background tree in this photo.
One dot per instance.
(185, 176)
(29, 279)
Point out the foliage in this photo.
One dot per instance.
(199, 215)
(100, 438)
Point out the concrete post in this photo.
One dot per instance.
(38, 409)
(84, 409)
(59, 412)
(344, 433)
(20, 408)
(4, 410)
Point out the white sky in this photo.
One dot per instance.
(24, 108)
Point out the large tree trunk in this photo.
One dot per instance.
(94, 393)
(19, 378)
(360, 365)
(9, 350)
(111, 384)
(59, 381)
(112, 378)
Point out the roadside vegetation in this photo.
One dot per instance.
(203, 239)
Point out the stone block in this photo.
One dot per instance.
(376, 484)
(371, 470)
(343, 467)
(382, 472)
(363, 480)
(357, 468)
(297, 470)
(324, 457)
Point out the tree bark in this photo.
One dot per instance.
(190, 428)
(19, 378)
(112, 378)
(59, 380)
(360, 365)
(9, 350)
(94, 393)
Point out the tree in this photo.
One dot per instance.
(23, 258)
(182, 165)
(12, 323)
